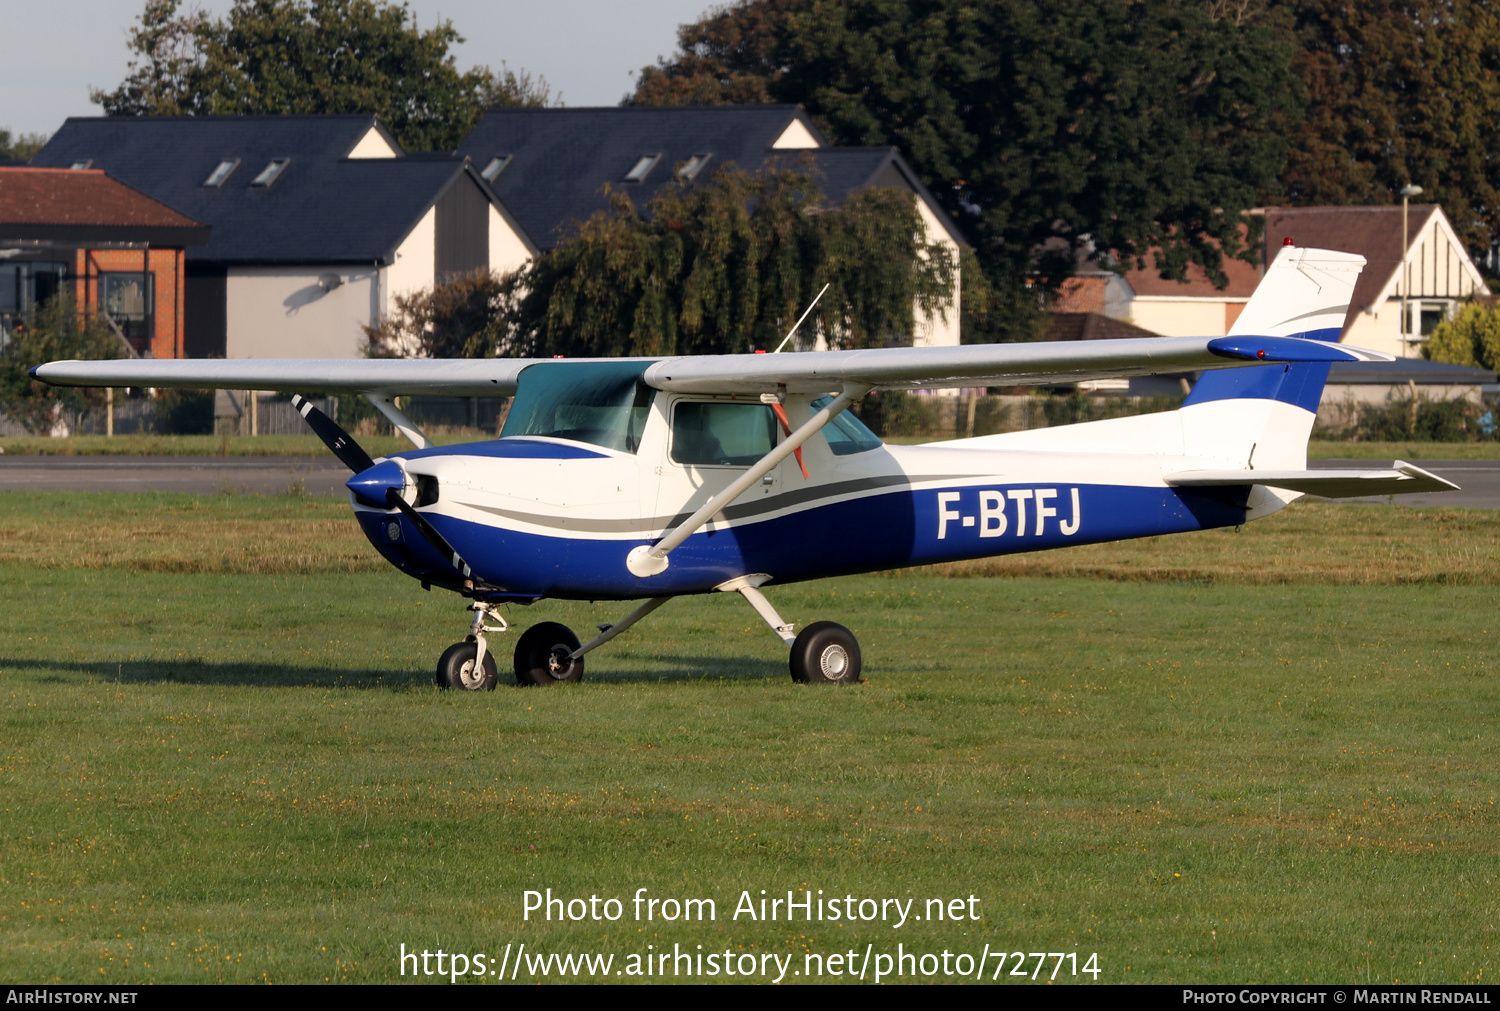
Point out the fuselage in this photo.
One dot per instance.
(547, 516)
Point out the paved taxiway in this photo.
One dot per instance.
(1479, 481)
(201, 475)
(320, 475)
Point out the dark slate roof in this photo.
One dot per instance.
(562, 159)
(68, 206)
(1417, 370)
(323, 208)
(1091, 326)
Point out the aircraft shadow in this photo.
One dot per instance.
(205, 673)
(668, 668)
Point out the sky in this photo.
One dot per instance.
(588, 50)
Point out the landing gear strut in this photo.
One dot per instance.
(469, 665)
(822, 653)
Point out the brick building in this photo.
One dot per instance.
(119, 252)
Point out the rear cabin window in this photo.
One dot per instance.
(600, 403)
(722, 435)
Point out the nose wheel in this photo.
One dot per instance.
(462, 668)
(469, 665)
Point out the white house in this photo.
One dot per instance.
(1433, 271)
(319, 222)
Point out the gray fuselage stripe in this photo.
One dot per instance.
(772, 503)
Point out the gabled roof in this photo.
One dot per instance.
(1091, 326)
(1372, 232)
(323, 207)
(1243, 279)
(561, 160)
(86, 206)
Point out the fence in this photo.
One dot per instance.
(891, 414)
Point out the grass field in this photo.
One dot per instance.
(308, 445)
(1256, 757)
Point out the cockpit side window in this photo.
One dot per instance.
(600, 403)
(720, 434)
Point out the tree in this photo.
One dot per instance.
(1471, 338)
(451, 320)
(56, 331)
(22, 148)
(312, 56)
(1400, 91)
(1046, 130)
(715, 269)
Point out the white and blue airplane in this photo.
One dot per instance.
(631, 478)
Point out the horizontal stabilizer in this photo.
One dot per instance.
(1404, 479)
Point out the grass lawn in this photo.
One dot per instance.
(237, 769)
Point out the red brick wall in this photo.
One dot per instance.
(167, 266)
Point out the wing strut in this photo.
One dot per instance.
(651, 559)
(386, 405)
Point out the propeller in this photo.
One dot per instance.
(383, 485)
(335, 438)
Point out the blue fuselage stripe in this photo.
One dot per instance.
(877, 531)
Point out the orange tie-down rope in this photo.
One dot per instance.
(786, 426)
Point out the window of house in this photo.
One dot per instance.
(270, 173)
(1432, 313)
(128, 298)
(494, 167)
(722, 435)
(221, 172)
(642, 168)
(83, 164)
(693, 166)
(23, 285)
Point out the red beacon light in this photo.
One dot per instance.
(1288, 241)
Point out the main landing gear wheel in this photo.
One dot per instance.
(542, 655)
(456, 669)
(825, 653)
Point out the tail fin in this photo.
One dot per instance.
(1253, 417)
(1265, 415)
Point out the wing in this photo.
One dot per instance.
(802, 372)
(1404, 479)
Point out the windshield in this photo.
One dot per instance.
(846, 434)
(601, 403)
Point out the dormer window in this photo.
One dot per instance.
(642, 168)
(270, 173)
(494, 167)
(693, 166)
(78, 166)
(222, 172)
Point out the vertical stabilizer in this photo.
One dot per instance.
(1264, 416)
(1305, 293)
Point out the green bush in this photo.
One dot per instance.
(1421, 419)
(185, 412)
(55, 331)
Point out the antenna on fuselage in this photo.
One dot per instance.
(799, 321)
